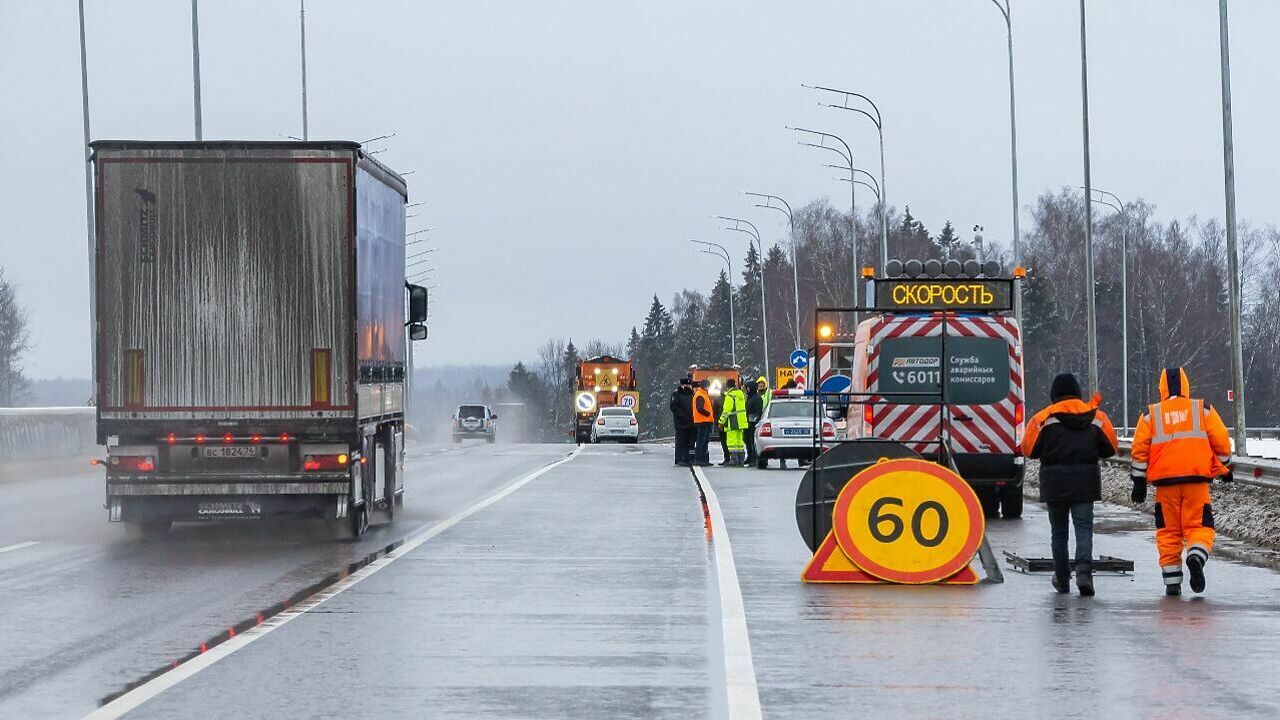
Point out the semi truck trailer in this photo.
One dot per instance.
(251, 326)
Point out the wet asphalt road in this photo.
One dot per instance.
(87, 610)
(591, 593)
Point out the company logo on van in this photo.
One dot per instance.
(916, 362)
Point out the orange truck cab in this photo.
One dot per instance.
(901, 352)
(602, 381)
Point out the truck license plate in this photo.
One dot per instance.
(230, 451)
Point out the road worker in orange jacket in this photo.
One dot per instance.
(1180, 446)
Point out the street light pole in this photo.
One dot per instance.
(764, 314)
(733, 328)
(795, 272)
(88, 200)
(1233, 259)
(1006, 11)
(1118, 206)
(853, 213)
(878, 121)
(302, 21)
(195, 63)
(1091, 318)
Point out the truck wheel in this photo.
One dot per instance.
(990, 500)
(1011, 502)
(147, 529)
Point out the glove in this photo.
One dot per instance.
(1139, 493)
(1228, 478)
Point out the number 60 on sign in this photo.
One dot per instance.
(908, 521)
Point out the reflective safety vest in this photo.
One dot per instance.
(1180, 440)
(734, 413)
(702, 410)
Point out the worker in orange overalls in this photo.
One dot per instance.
(1180, 446)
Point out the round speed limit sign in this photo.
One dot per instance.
(908, 521)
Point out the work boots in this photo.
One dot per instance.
(1061, 583)
(1173, 590)
(1084, 580)
(1195, 567)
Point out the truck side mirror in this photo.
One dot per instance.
(417, 305)
(417, 332)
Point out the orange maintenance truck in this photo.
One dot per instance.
(602, 381)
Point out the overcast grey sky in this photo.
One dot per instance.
(566, 149)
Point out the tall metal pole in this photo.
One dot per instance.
(878, 121)
(1119, 206)
(90, 229)
(853, 213)
(764, 314)
(195, 63)
(1091, 320)
(302, 21)
(1233, 261)
(1007, 12)
(733, 327)
(795, 272)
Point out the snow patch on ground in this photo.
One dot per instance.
(1243, 512)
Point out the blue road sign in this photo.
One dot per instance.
(836, 384)
(799, 358)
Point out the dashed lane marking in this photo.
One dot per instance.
(139, 695)
(739, 669)
(19, 546)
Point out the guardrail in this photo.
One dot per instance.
(1260, 472)
(47, 433)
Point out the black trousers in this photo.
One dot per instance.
(684, 445)
(750, 438)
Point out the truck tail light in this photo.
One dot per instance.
(199, 439)
(1017, 414)
(171, 438)
(326, 462)
(868, 415)
(133, 463)
(766, 430)
(228, 438)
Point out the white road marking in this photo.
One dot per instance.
(139, 695)
(739, 669)
(19, 546)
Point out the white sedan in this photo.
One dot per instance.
(618, 424)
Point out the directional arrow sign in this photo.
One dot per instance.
(799, 358)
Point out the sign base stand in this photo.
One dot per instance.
(831, 565)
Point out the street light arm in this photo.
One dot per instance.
(754, 230)
(863, 184)
(819, 133)
(826, 147)
(857, 110)
(751, 238)
(1004, 10)
(786, 207)
(715, 245)
(848, 94)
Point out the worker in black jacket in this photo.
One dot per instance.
(1069, 438)
(682, 420)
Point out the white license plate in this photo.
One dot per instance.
(795, 431)
(230, 451)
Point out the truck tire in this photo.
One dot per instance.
(1011, 502)
(147, 529)
(990, 500)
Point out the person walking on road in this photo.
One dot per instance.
(1069, 437)
(1180, 446)
(733, 422)
(681, 406)
(755, 410)
(703, 418)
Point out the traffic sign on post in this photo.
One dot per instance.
(799, 358)
(629, 399)
(782, 375)
(901, 521)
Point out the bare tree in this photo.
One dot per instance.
(14, 343)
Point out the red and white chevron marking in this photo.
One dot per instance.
(984, 429)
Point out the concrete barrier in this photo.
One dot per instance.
(47, 433)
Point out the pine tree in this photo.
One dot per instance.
(718, 323)
(747, 315)
(948, 239)
(653, 367)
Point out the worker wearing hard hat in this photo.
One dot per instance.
(1180, 446)
(733, 423)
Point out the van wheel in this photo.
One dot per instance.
(1011, 502)
(990, 500)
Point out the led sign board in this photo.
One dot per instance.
(981, 295)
